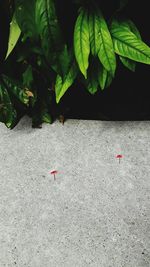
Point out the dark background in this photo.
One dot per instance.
(128, 98)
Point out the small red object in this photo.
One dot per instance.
(53, 173)
(119, 157)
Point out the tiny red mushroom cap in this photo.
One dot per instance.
(119, 156)
(53, 172)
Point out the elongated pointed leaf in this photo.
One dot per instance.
(82, 42)
(128, 63)
(63, 84)
(13, 36)
(92, 85)
(8, 114)
(132, 27)
(49, 29)
(127, 44)
(64, 59)
(92, 79)
(102, 77)
(106, 52)
(25, 15)
(94, 26)
(100, 40)
(109, 79)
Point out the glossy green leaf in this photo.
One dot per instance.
(13, 36)
(49, 29)
(102, 77)
(128, 63)
(106, 52)
(127, 44)
(63, 84)
(109, 79)
(82, 42)
(129, 24)
(92, 79)
(61, 65)
(25, 15)
(92, 85)
(45, 116)
(94, 26)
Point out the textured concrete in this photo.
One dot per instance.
(97, 211)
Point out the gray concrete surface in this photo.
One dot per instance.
(97, 211)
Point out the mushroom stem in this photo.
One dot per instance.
(54, 177)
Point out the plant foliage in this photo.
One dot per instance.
(45, 56)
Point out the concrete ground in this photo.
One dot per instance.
(97, 211)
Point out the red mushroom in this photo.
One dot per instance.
(53, 172)
(119, 157)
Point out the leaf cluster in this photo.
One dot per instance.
(49, 49)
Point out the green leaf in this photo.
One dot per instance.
(49, 29)
(21, 93)
(106, 52)
(28, 77)
(94, 27)
(8, 114)
(127, 44)
(109, 80)
(92, 85)
(63, 84)
(92, 79)
(25, 15)
(46, 117)
(128, 63)
(62, 63)
(82, 42)
(102, 77)
(132, 27)
(14, 35)
(45, 114)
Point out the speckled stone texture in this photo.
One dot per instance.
(97, 211)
